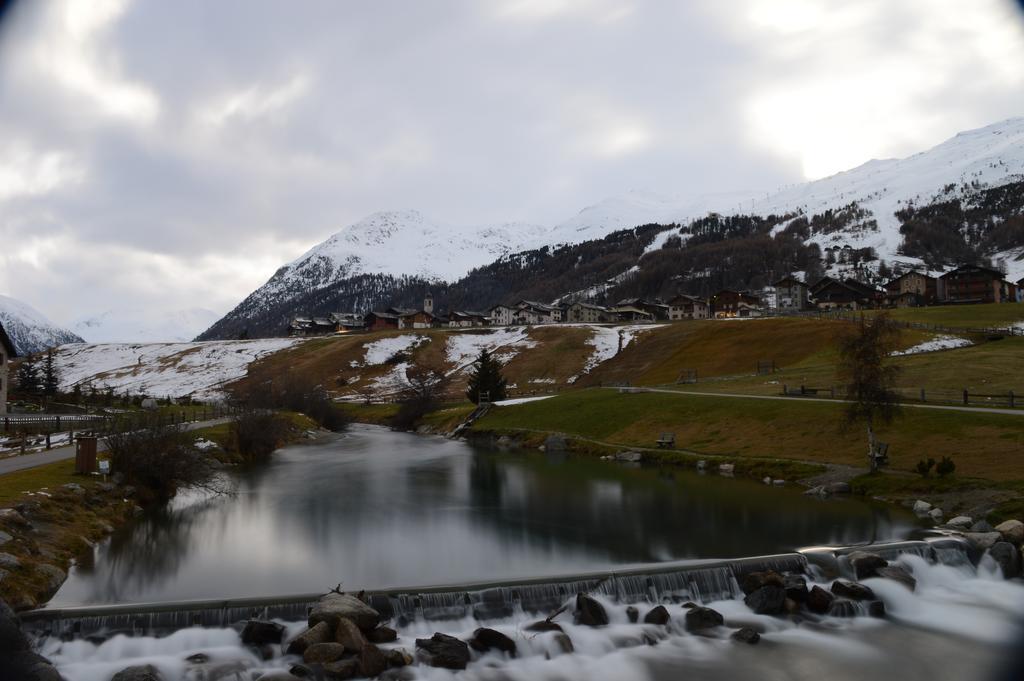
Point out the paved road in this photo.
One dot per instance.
(980, 410)
(26, 461)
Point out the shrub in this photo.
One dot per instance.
(255, 435)
(294, 394)
(945, 467)
(924, 468)
(419, 398)
(159, 460)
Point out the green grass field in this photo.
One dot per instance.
(983, 445)
(995, 315)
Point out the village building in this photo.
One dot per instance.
(462, 319)
(791, 295)
(381, 321)
(1020, 290)
(847, 294)
(503, 315)
(729, 303)
(586, 313)
(630, 313)
(347, 322)
(977, 284)
(911, 289)
(7, 353)
(657, 309)
(529, 312)
(688, 307)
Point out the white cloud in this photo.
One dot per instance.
(255, 102)
(27, 172)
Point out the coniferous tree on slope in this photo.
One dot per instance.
(486, 379)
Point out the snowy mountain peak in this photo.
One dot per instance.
(138, 325)
(30, 331)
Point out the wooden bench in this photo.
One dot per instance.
(666, 441)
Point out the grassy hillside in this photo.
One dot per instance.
(983, 445)
(995, 315)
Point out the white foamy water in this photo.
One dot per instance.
(958, 624)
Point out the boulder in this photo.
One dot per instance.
(768, 600)
(4, 537)
(350, 636)
(589, 612)
(322, 653)
(922, 507)
(262, 632)
(898, 574)
(983, 540)
(796, 588)
(629, 457)
(485, 639)
(441, 650)
(753, 581)
(378, 635)
(936, 515)
(564, 642)
(982, 526)
(1008, 557)
(866, 564)
(9, 561)
(543, 625)
(876, 609)
(633, 614)
(818, 491)
(855, 591)
(332, 607)
(341, 669)
(961, 522)
(372, 661)
(843, 608)
(746, 635)
(818, 600)
(726, 469)
(658, 615)
(280, 675)
(12, 638)
(838, 488)
(29, 666)
(146, 672)
(319, 633)
(700, 618)
(54, 576)
(1012, 531)
(398, 657)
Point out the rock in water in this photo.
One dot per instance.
(746, 635)
(1012, 531)
(819, 601)
(866, 564)
(261, 632)
(658, 615)
(753, 581)
(922, 507)
(138, 673)
(843, 609)
(485, 639)
(372, 661)
(589, 612)
(398, 657)
(876, 609)
(441, 650)
(350, 636)
(768, 600)
(1008, 557)
(320, 633)
(796, 588)
(322, 653)
(983, 540)
(852, 590)
(982, 526)
(12, 638)
(633, 614)
(699, 619)
(898, 574)
(961, 522)
(29, 666)
(333, 607)
(342, 669)
(381, 635)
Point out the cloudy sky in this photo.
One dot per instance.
(169, 155)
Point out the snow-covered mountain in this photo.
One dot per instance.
(407, 244)
(29, 330)
(138, 325)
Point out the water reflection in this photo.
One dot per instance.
(374, 509)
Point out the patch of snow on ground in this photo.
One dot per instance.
(463, 348)
(393, 381)
(380, 351)
(938, 343)
(608, 341)
(520, 400)
(163, 369)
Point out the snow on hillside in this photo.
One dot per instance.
(609, 341)
(138, 325)
(380, 351)
(504, 343)
(940, 342)
(29, 330)
(163, 369)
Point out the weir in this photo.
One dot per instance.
(679, 581)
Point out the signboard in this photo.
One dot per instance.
(104, 467)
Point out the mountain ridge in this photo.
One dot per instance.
(29, 330)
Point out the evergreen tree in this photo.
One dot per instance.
(51, 375)
(28, 378)
(487, 380)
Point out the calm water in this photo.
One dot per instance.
(374, 509)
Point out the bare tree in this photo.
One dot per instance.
(424, 387)
(866, 369)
